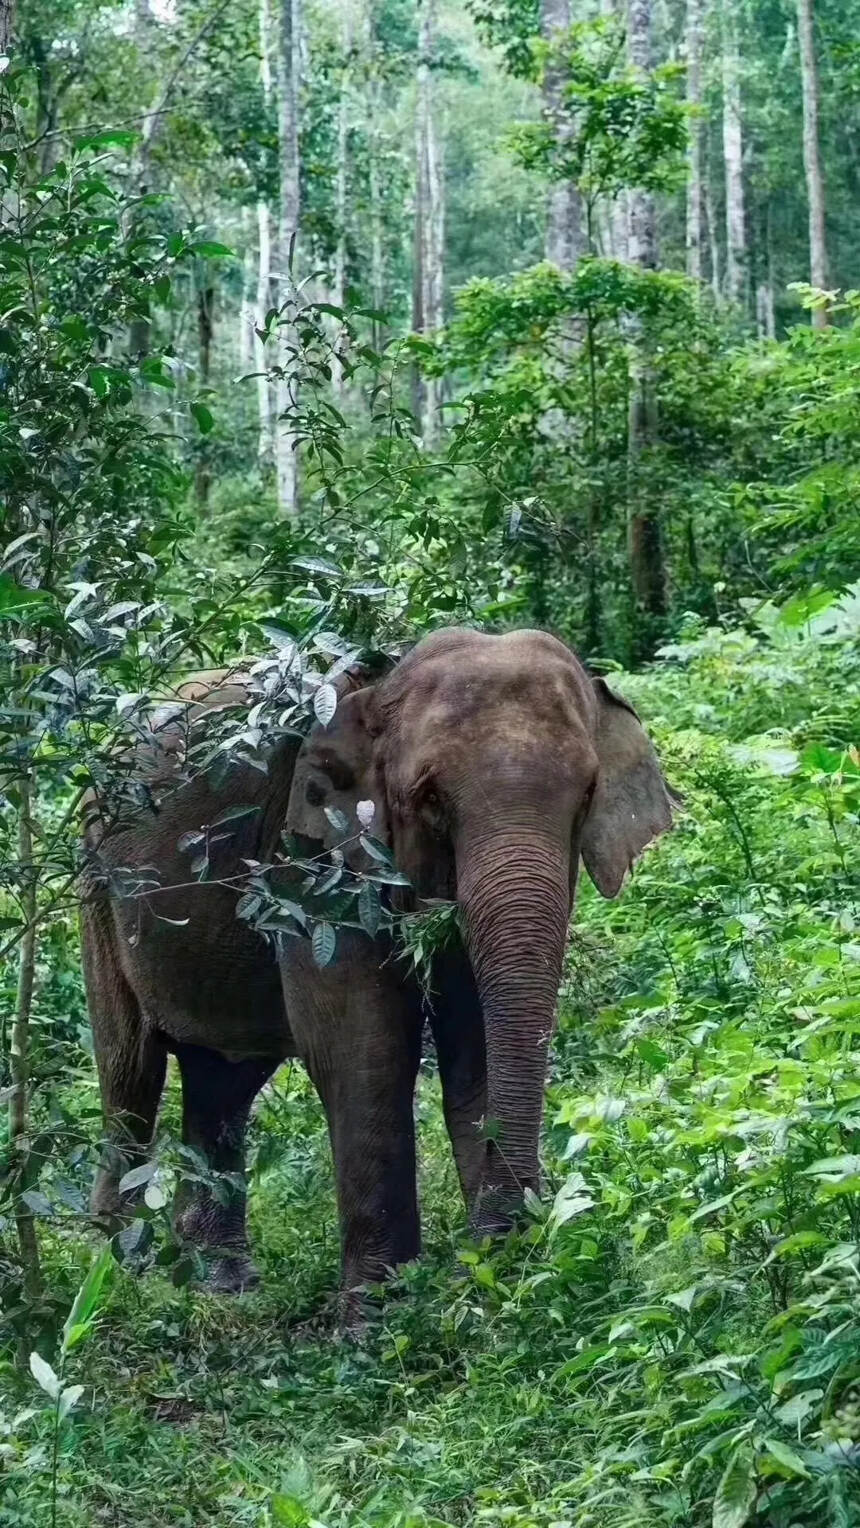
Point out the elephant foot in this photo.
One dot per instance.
(231, 1274)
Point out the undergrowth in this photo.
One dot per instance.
(673, 1338)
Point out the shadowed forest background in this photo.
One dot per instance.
(323, 326)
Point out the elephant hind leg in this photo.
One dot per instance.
(130, 1057)
(217, 1095)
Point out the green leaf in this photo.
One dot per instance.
(137, 1176)
(337, 818)
(786, 1457)
(86, 1300)
(209, 249)
(369, 908)
(44, 1375)
(325, 703)
(289, 1512)
(69, 1398)
(736, 1492)
(323, 941)
(204, 416)
(375, 848)
(15, 600)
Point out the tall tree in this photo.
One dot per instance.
(564, 231)
(265, 425)
(695, 199)
(645, 542)
(341, 178)
(427, 309)
(811, 155)
(6, 23)
(286, 460)
(736, 242)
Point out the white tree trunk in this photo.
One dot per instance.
(641, 211)
(565, 238)
(645, 543)
(286, 389)
(695, 216)
(811, 156)
(736, 243)
(713, 240)
(265, 437)
(427, 289)
(339, 285)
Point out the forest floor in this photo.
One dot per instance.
(673, 1338)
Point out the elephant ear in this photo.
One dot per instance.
(631, 804)
(335, 779)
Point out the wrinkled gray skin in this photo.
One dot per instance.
(494, 764)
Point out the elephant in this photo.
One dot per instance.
(494, 764)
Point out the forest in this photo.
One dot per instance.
(325, 327)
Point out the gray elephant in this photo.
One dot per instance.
(494, 763)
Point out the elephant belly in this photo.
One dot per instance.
(207, 979)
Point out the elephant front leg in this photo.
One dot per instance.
(458, 1031)
(216, 1101)
(359, 1032)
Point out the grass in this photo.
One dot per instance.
(680, 1349)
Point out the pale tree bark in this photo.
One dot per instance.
(645, 542)
(713, 240)
(565, 239)
(811, 156)
(373, 114)
(343, 110)
(427, 289)
(7, 19)
(695, 208)
(245, 331)
(286, 461)
(736, 241)
(264, 295)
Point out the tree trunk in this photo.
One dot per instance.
(564, 231)
(205, 317)
(7, 26)
(264, 296)
(645, 544)
(695, 212)
(429, 222)
(19, 1103)
(245, 333)
(286, 460)
(374, 112)
(339, 287)
(811, 156)
(736, 244)
(713, 240)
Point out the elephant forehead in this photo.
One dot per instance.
(510, 693)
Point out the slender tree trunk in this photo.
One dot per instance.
(811, 156)
(264, 295)
(564, 219)
(645, 542)
(265, 437)
(695, 209)
(736, 243)
(286, 460)
(245, 335)
(713, 240)
(339, 288)
(205, 329)
(429, 221)
(372, 121)
(19, 1103)
(7, 26)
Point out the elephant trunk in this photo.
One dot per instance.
(514, 888)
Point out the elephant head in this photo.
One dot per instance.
(495, 763)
